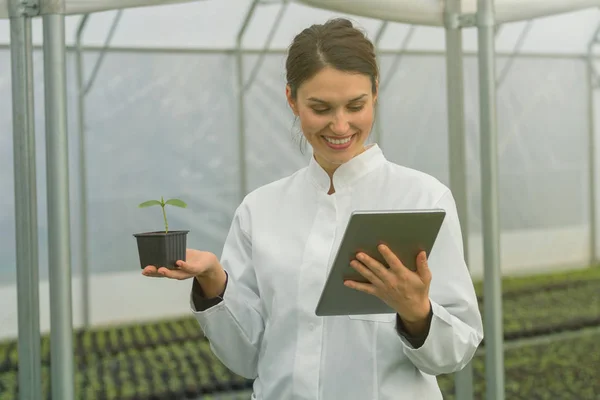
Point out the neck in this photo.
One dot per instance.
(331, 167)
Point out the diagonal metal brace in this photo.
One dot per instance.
(591, 59)
(23, 8)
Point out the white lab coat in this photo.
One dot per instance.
(277, 254)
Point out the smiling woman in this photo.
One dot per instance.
(332, 87)
(256, 304)
(336, 111)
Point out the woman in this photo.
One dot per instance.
(257, 303)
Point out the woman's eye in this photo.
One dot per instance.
(355, 108)
(350, 108)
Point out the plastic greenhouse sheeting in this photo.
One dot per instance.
(89, 6)
(214, 25)
(418, 12)
(182, 108)
(431, 12)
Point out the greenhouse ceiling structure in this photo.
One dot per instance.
(381, 17)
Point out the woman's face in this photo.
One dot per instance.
(336, 111)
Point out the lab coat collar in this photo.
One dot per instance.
(348, 172)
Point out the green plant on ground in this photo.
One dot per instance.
(162, 203)
(162, 360)
(512, 283)
(565, 369)
(562, 369)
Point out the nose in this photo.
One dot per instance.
(340, 124)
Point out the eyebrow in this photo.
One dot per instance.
(323, 101)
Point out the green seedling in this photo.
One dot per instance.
(162, 203)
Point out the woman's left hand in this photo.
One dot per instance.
(404, 290)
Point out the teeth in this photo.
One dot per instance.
(337, 141)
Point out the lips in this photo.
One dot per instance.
(338, 143)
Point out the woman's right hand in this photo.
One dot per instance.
(200, 264)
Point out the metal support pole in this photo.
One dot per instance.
(456, 145)
(83, 199)
(592, 168)
(26, 224)
(593, 83)
(243, 86)
(82, 91)
(494, 349)
(241, 108)
(378, 128)
(61, 319)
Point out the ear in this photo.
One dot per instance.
(290, 100)
(376, 95)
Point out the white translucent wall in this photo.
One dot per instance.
(165, 124)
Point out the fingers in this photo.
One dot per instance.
(365, 272)
(370, 268)
(363, 287)
(162, 272)
(397, 265)
(392, 260)
(182, 269)
(423, 267)
(174, 273)
(151, 271)
(183, 266)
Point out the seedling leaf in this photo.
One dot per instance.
(176, 202)
(150, 203)
(162, 203)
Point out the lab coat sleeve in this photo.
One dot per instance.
(200, 301)
(235, 325)
(456, 328)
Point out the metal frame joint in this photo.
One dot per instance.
(454, 20)
(24, 8)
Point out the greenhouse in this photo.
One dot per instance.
(113, 103)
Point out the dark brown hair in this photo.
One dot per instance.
(338, 44)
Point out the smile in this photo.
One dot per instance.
(338, 141)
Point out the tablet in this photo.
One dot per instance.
(405, 232)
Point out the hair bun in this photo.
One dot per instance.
(337, 44)
(340, 23)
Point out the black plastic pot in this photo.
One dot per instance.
(160, 249)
